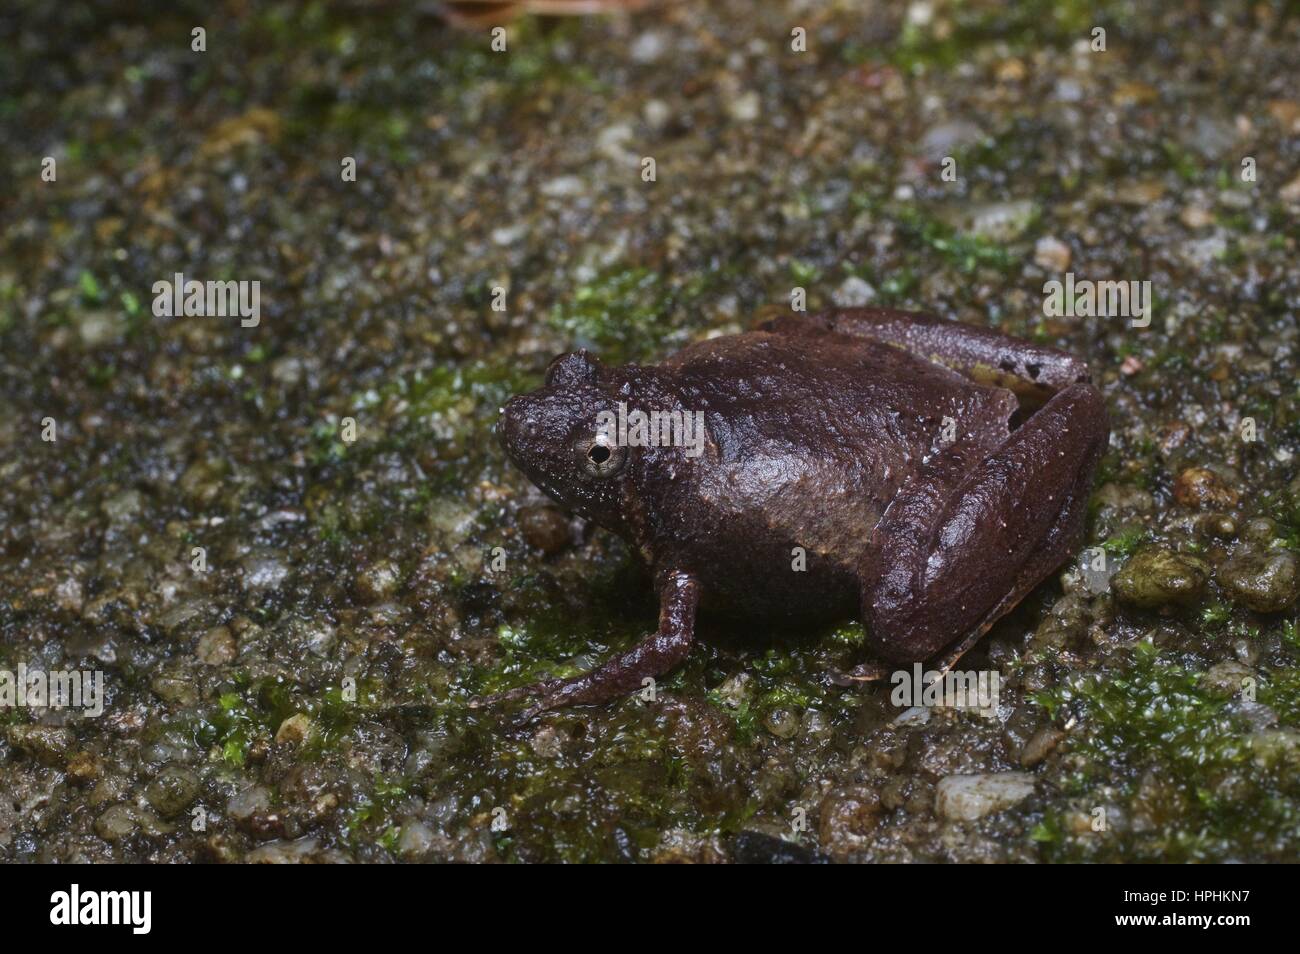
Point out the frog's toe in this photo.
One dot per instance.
(547, 694)
(865, 672)
(546, 703)
(514, 695)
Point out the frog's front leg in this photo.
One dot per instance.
(679, 595)
(950, 557)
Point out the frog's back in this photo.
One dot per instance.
(830, 395)
(811, 437)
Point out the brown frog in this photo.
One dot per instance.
(858, 460)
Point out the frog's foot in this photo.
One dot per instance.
(513, 695)
(626, 673)
(863, 672)
(878, 671)
(941, 664)
(542, 690)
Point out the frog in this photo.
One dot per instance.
(919, 473)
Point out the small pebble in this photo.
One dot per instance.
(1266, 582)
(1052, 254)
(172, 790)
(782, 723)
(377, 581)
(295, 730)
(1201, 487)
(853, 292)
(1040, 745)
(745, 108)
(1156, 577)
(116, 822)
(545, 528)
(970, 797)
(217, 646)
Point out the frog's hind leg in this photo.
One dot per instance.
(1032, 371)
(951, 559)
(955, 553)
(1050, 553)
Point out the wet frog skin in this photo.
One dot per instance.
(855, 461)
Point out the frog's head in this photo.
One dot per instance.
(554, 435)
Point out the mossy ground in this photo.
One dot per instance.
(350, 582)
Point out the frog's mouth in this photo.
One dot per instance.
(511, 427)
(530, 444)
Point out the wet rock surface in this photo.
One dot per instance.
(1155, 577)
(971, 797)
(1265, 582)
(297, 553)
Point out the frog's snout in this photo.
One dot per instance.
(507, 426)
(514, 426)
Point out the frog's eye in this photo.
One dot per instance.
(600, 456)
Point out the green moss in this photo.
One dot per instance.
(252, 711)
(965, 252)
(531, 652)
(1181, 160)
(1290, 634)
(1048, 830)
(1155, 719)
(450, 407)
(804, 273)
(386, 113)
(898, 286)
(1216, 615)
(543, 638)
(1125, 542)
(327, 446)
(476, 385)
(745, 716)
(851, 635)
(787, 695)
(626, 313)
(231, 727)
(372, 818)
(90, 289)
(1021, 27)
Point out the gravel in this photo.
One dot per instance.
(292, 624)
